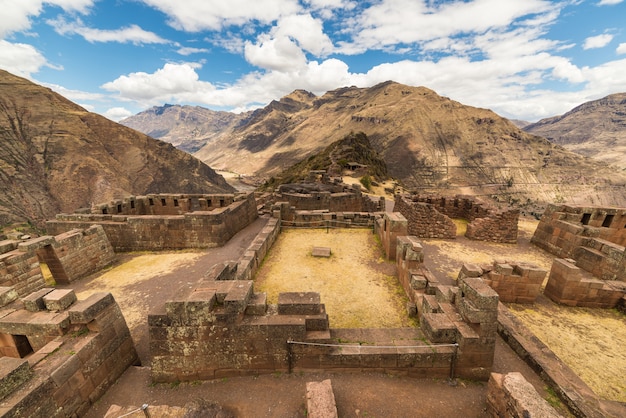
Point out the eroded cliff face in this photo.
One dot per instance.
(57, 157)
(595, 129)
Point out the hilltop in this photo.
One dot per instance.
(594, 129)
(57, 157)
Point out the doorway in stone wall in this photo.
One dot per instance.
(51, 267)
(16, 346)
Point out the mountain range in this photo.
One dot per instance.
(57, 157)
(595, 129)
(430, 143)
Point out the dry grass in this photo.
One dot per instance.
(122, 281)
(352, 283)
(591, 341)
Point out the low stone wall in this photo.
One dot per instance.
(571, 389)
(594, 237)
(430, 217)
(511, 395)
(324, 219)
(514, 282)
(349, 200)
(389, 228)
(153, 233)
(569, 285)
(163, 204)
(87, 348)
(70, 256)
(256, 252)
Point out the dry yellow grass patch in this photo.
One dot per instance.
(591, 341)
(352, 283)
(120, 280)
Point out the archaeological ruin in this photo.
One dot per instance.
(59, 355)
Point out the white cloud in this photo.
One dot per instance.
(16, 14)
(621, 49)
(393, 22)
(598, 41)
(20, 59)
(173, 81)
(275, 54)
(197, 15)
(130, 34)
(185, 51)
(609, 2)
(74, 95)
(117, 113)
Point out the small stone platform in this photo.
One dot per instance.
(321, 252)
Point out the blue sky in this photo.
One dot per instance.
(524, 59)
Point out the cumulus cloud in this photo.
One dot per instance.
(130, 34)
(598, 41)
(116, 114)
(609, 2)
(173, 81)
(20, 59)
(621, 49)
(197, 15)
(16, 15)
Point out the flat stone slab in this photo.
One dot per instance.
(321, 252)
(59, 299)
(320, 400)
(299, 303)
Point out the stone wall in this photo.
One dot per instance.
(511, 395)
(389, 228)
(254, 255)
(514, 282)
(163, 204)
(594, 237)
(79, 349)
(431, 217)
(69, 256)
(572, 286)
(200, 229)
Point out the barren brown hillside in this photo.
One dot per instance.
(57, 157)
(595, 129)
(429, 142)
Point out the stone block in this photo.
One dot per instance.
(320, 400)
(438, 328)
(238, 297)
(418, 282)
(86, 310)
(321, 252)
(299, 303)
(470, 270)
(504, 268)
(257, 304)
(480, 294)
(34, 302)
(59, 299)
(7, 295)
(13, 373)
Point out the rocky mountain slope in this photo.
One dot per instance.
(595, 129)
(188, 128)
(428, 142)
(57, 157)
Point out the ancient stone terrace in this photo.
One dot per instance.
(165, 222)
(431, 217)
(221, 327)
(591, 270)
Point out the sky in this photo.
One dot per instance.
(524, 59)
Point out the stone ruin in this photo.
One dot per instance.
(165, 222)
(431, 217)
(75, 351)
(513, 281)
(589, 241)
(221, 327)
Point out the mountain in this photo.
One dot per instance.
(57, 157)
(595, 129)
(188, 128)
(429, 143)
